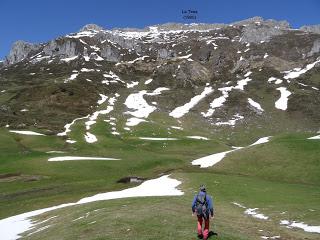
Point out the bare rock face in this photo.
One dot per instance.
(256, 29)
(315, 48)
(19, 51)
(110, 54)
(165, 53)
(66, 48)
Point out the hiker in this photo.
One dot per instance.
(202, 206)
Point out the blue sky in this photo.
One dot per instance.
(41, 20)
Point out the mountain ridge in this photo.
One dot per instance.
(246, 65)
(281, 25)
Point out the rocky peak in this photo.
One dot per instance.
(311, 28)
(90, 27)
(20, 50)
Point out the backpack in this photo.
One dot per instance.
(202, 206)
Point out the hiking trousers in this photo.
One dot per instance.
(205, 231)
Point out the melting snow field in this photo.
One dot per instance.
(27, 133)
(13, 227)
(182, 110)
(209, 161)
(282, 102)
(74, 158)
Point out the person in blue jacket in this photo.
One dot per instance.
(202, 207)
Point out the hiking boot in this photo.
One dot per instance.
(200, 236)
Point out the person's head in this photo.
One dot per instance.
(202, 188)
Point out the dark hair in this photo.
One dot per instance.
(202, 188)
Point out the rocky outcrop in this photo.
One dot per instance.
(90, 27)
(256, 29)
(66, 48)
(165, 53)
(19, 51)
(110, 54)
(315, 48)
(312, 28)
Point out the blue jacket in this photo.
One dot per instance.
(209, 202)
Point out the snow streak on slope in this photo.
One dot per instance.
(27, 133)
(301, 225)
(182, 110)
(252, 212)
(89, 137)
(13, 227)
(68, 126)
(74, 158)
(157, 139)
(314, 137)
(298, 71)
(282, 102)
(232, 121)
(255, 105)
(218, 102)
(213, 159)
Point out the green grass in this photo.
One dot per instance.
(279, 176)
(170, 217)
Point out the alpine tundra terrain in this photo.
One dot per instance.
(107, 134)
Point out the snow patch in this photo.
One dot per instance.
(69, 59)
(134, 121)
(253, 212)
(275, 80)
(90, 138)
(68, 126)
(13, 227)
(301, 225)
(198, 137)
(148, 81)
(27, 133)
(213, 159)
(255, 105)
(182, 110)
(314, 137)
(74, 158)
(231, 122)
(298, 71)
(282, 102)
(132, 84)
(157, 139)
(140, 107)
